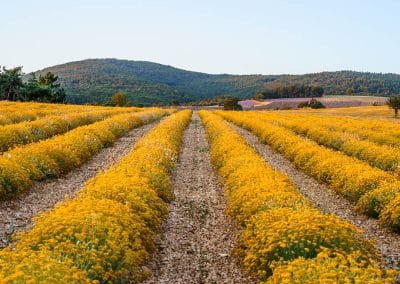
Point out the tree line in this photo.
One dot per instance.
(291, 91)
(42, 89)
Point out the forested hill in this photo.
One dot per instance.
(95, 80)
(340, 82)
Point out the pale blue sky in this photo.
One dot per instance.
(214, 36)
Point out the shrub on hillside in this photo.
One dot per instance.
(231, 103)
(313, 103)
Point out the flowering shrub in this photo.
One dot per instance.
(375, 130)
(280, 225)
(15, 112)
(374, 202)
(56, 156)
(285, 234)
(391, 214)
(330, 267)
(348, 176)
(385, 157)
(33, 131)
(119, 213)
(38, 267)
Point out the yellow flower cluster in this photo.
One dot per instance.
(380, 112)
(106, 233)
(390, 215)
(53, 157)
(15, 112)
(358, 181)
(376, 130)
(280, 224)
(33, 131)
(330, 268)
(323, 131)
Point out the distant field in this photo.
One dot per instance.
(328, 101)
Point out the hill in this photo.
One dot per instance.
(94, 80)
(337, 83)
(147, 83)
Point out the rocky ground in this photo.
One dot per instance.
(198, 238)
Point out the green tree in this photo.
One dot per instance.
(349, 92)
(11, 83)
(231, 103)
(313, 103)
(57, 93)
(119, 99)
(33, 91)
(259, 96)
(394, 103)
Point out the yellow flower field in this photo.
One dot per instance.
(325, 131)
(119, 213)
(44, 128)
(49, 158)
(106, 226)
(15, 112)
(280, 231)
(372, 188)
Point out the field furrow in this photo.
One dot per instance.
(323, 131)
(284, 235)
(119, 213)
(328, 201)
(16, 214)
(20, 167)
(18, 134)
(374, 190)
(198, 240)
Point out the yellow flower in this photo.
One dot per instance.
(119, 213)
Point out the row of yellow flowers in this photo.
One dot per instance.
(373, 188)
(15, 112)
(32, 131)
(281, 227)
(106, 233)
(8, 106)
(375, 130)
(378, 112)
(384, 157)
(53, 157)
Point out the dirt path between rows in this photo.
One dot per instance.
(16, 214)
(328, 201)
(198, 238)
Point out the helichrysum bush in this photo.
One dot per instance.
(390, 215)
(330, 267)
(285, 234)
(280, 225)
(350, 177)
(106, 233)
(323, 131)
(53, 157)
(33, 131)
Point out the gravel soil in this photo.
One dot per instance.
(198, 238)
(328, 201)
(16, 214)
